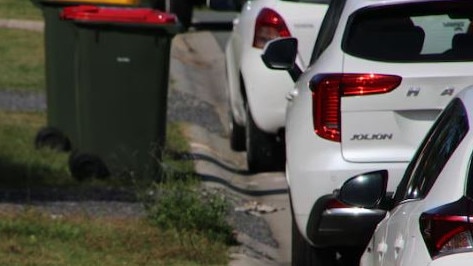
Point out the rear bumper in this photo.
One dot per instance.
(341, 227)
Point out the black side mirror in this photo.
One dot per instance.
(366, 190)
(281, 54)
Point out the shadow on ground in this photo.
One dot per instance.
(222, 181)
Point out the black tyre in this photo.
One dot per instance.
(350, 256)
(183, 10)
(52, 138)
(84, 166)
(263, 153)
(239, 4)
(237, 135)
(304, 254)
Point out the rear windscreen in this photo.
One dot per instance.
(311, 1)
(421, 32)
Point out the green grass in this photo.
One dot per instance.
(180, 205)
(184, 225)
(181, 219)
(23, 166)
(22, 60)
(19, 9)
(32, 238)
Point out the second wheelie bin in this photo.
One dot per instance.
(122, 78)
(59, 41)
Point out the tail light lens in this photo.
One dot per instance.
(269, 25)
(448, 229)
(335, 204)
(327, 90)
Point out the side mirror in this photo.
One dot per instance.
(281, 54)
(367, 190)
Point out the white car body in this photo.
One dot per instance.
(249, 81)
(377, 131)
(429, 222)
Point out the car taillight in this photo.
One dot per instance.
(269, 25)
(448, 229)
(335, 204)
(327, 90)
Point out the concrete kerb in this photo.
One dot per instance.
(32, 25)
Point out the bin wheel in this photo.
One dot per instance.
(84, 166)
(52, 138)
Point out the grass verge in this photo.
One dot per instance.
(184, 225)
(32, 238)
(21, 165)
(22, 60)
(181, 217)
(19, 9)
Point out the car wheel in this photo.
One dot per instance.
(262, 151)
(83, 166)
(183, 10)
(304, 254)
(52, 138)
(237, 135)
(350, 256)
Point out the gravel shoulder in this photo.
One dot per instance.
(261, 214)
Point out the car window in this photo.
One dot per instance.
(434, 152)
(328, 28)
(412, 32)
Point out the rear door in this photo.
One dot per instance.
(403, 238)
(427, 45)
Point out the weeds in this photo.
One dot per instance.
(180, 204)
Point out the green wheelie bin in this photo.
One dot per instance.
(61, 130)
(122, 78)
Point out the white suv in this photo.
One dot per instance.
(381, 72)
(256, 94)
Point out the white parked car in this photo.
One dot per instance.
(380, 74)
(429, 219)
(256, 94)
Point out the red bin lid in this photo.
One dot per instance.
(89, 13)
